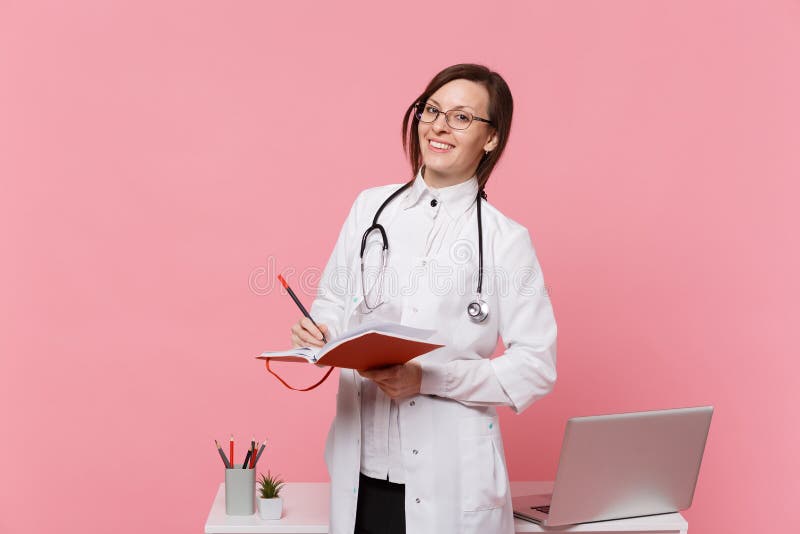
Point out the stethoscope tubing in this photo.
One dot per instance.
(478, 309)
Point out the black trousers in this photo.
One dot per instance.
(381, 507)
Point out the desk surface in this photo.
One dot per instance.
(306, 507)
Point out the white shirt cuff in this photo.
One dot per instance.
(435, 379)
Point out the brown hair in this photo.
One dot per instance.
(501, 108)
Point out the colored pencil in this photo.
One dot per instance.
(261, 450)
(300, 305)
(222, 455)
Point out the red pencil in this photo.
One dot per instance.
(253, 455)
(233, 465)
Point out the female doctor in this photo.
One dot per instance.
(417, 447)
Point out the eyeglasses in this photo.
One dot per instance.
(457, 119)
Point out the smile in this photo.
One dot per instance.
(440, 147)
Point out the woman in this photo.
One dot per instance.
(417, 447)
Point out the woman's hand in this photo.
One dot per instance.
(305, 334)
(397, 381)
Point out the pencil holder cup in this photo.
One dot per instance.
(240, 491)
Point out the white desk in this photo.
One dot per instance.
(306, 507)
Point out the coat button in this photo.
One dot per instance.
(412, 403)
(433, 203)
(417, 499)
(415, 451)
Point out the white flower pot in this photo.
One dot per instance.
(270, 508)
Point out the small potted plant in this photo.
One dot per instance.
(270, 504)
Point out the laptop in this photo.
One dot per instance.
(623, 465)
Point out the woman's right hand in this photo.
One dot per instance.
(305, 334)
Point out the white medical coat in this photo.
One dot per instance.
(453, 456)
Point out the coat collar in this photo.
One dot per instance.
(456, 199)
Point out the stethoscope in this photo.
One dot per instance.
(477, 310)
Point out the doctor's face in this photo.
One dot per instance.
(459, 158)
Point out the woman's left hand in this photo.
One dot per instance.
(397, 381)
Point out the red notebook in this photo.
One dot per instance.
(368, 347)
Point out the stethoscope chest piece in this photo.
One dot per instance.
(478, 310)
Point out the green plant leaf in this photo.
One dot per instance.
(270, 485)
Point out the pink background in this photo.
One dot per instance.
(160, 161)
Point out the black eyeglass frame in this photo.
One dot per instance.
(418, 115)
